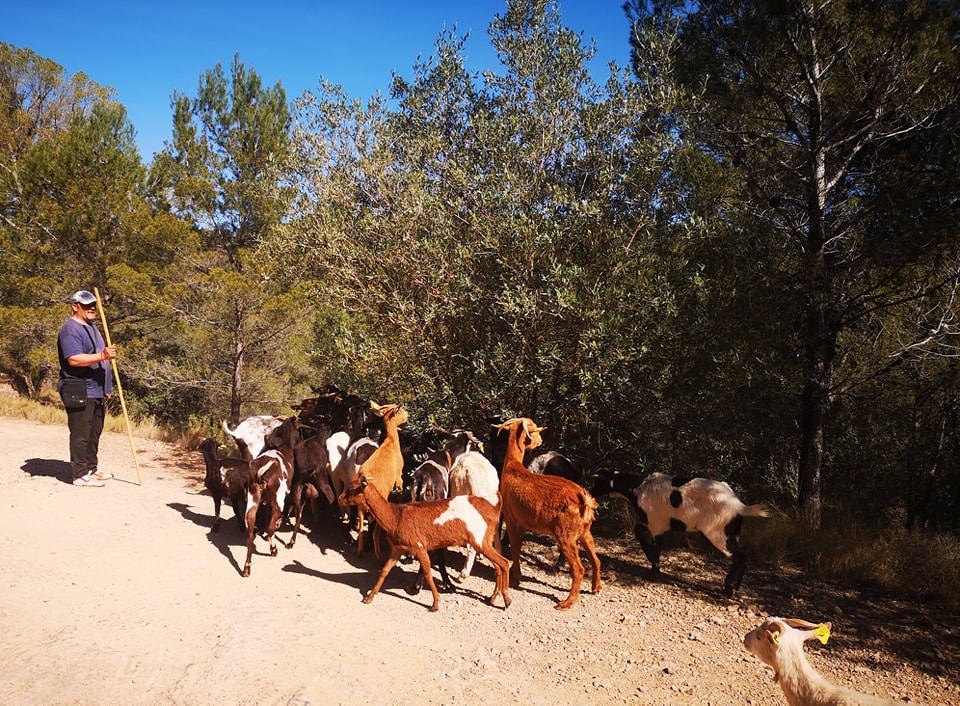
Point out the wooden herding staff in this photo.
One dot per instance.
(116, 379)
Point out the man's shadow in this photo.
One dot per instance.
(48, 468)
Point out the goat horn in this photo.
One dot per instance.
(374, 406)
(799, 623)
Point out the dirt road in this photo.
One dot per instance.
(121, 595)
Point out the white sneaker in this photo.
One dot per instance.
(88, 481)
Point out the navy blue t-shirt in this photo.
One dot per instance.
(75, 338)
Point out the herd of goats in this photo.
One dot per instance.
(352, 452)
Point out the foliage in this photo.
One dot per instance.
(69, 182)
(485, 244)
(223, 327)
(810, 109)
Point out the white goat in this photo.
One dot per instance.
(473, 474)
(250, 433)
(778, 643)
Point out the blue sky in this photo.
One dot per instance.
(147, 50)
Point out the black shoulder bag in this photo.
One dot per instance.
(73, 391)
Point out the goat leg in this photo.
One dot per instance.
(388, 564)
(424, 558)
(216, 513)
(577, 571)
(651, 547)
(515, 535)
(251, 520)
(296, 500)
(586, 540)
(501, 570)
(735, 575)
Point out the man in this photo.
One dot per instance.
(84, 368)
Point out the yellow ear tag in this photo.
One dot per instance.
(822, 633)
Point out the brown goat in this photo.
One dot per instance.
(384, 468)
(417, 528)
(225, 477)
(547, 505)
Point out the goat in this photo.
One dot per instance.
(553, 463)
(778, 643)
(473, 474)
(419, 527)
(250, 433)
(225, 477)
(311, 469)
(431, 482)
(548, 505)
(384, 468)
(431, 478)
(666, 503)
(273, 470)
(348, 463)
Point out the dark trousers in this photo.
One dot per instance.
(85, 425)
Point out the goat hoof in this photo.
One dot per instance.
(367, 599)
(288, 545)
(434, 608)
(246, 572)
(563, 605)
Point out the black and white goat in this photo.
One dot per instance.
(249, 434)
(554, 463)
(273, 471)
(666, 503)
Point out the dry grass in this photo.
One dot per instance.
(918, 566)
(50, 411)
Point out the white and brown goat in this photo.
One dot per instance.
(417, 528)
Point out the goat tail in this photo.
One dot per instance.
(226, 429)
(758, 510)
(587, 505)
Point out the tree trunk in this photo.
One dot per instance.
(238, 354)
(820, 339)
